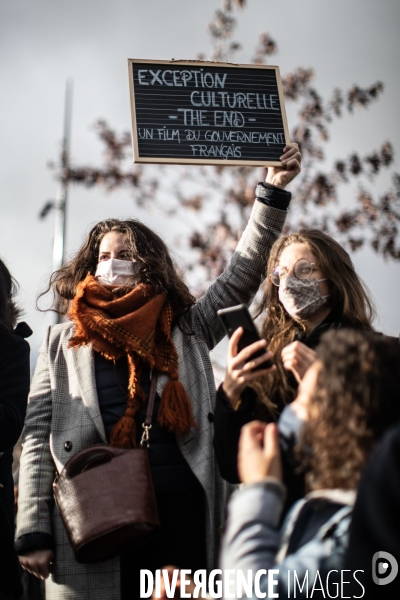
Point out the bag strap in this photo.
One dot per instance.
(149, 413)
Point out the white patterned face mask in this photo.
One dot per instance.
(301, 298)
(116, 272)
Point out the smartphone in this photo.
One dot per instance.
(239, 316)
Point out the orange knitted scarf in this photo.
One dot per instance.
(137, 324)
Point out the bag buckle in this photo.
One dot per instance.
(145, 435)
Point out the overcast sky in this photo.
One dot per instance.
(42, 43)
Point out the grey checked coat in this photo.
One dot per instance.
(63, 406)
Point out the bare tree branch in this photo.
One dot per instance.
(228, 192)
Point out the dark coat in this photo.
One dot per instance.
(375, 524)
(14, 389)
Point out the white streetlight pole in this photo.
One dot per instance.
(62, 191)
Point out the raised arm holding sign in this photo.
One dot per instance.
(130, 313)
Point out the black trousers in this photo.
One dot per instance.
(180, 542)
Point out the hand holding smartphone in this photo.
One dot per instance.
(238, 316)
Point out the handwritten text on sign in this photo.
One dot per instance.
(197, 113)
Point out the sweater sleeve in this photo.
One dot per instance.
(252, 535)
(375, 524)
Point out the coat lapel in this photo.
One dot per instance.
(84, 367)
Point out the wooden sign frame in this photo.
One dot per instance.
(137, 158)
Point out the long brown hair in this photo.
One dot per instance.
(157, 268)
(348, 298)
(357, 396)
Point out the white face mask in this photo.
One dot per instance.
(301, 298)
(116, 272)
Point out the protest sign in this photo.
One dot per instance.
(189, 112)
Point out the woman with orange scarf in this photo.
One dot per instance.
(130, 315)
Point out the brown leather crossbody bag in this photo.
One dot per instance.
(106, 498)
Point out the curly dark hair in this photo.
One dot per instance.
(357, 396)
(146, 247)
(9, 311)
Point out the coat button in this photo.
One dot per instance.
(68, 446)
(210, 417)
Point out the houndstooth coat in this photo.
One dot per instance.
(63, 406)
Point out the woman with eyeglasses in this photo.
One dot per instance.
(311, 287)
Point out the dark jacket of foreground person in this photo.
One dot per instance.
(375, 525)
(14, 389)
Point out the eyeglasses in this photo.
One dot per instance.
(302, 269)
